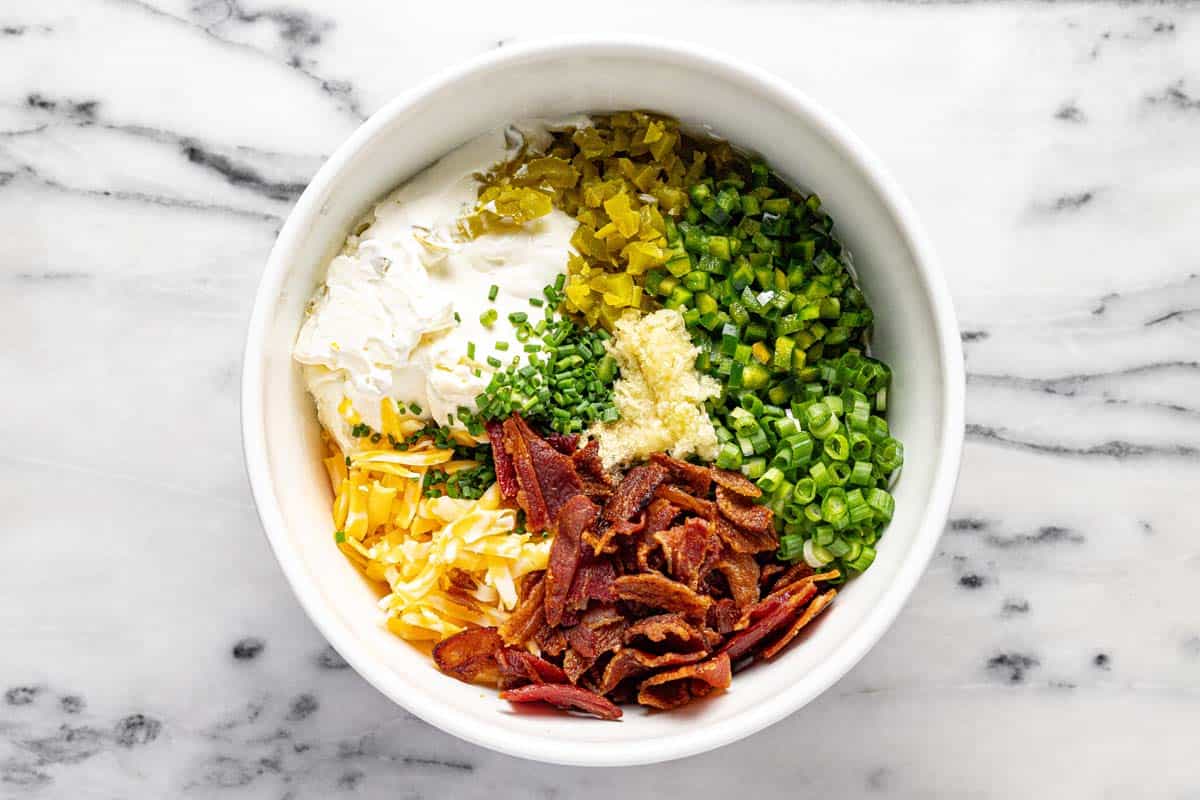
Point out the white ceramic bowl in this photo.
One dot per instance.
(915, 332)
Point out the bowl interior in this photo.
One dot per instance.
(912, 333)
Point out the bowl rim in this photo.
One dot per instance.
(751, 720)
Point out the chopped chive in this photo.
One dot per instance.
(493, 291)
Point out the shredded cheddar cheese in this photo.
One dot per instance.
(448, 563)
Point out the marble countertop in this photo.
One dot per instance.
(149, 646)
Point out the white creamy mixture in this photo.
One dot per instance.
(383, 324)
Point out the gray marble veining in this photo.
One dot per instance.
(149, 647)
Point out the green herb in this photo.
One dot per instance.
(489, 317)
(492, 292)
(765, 289)
(360, 430)
(564, 387)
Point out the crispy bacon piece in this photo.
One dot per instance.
(596, 482)
(795, 572)
(741, 541)
(659, 591)
(519, 667)
(565, 443)
(743, 513)
(681, 685)
(763, 619)
(598, 632)
(659, 516)
(565, 696)
(593, 581)
(626, 663)
(819, 604)
(704, 508)
(741, 576)
(736, 482)
(530, 614)
(470, 655)
(552, 641)
(506, 476)
(545, 477)
(633, 493)
(630, 662)
(693, 478)
(665, 634)
(723, 615)
(566, 552)
(689, 550)
(602, 541)
(802, 583)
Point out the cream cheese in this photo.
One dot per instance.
(384, 325)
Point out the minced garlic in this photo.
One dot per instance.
(660, 394)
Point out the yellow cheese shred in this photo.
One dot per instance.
(448, 563)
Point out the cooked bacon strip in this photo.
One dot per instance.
(659, 516)
(795, 572)
(736, 482)
(819, 604)
(566, 552)
(530, 614)
(723, 615)
(593, 581)
(763, 619)
(693, 478)
(506, 476)
(741, 576)
(741, 541)
(551, 641)
(547, 479)
(689, 550)
(518, 667)
(665, 633)
(633, 493)
(565, 696)
(676, 687)
(470, 655)
(565, 443)
(596, 481)
(601, 542)
(743, 513)
(803, 583)
(659, 591)
(630, 662)
(598, 632)
(768, 572)
(704, 508)
(626, 663)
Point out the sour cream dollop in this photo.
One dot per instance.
(403, 300)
